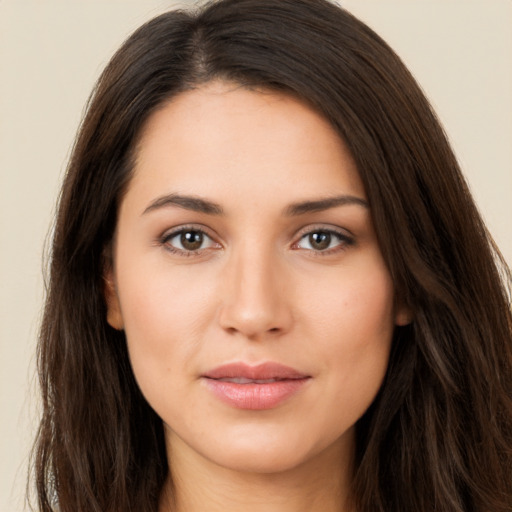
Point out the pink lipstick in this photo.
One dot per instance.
(254, 387)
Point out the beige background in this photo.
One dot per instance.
(52, 51)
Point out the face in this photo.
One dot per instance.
(247, 276)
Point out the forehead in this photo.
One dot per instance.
(227, 140)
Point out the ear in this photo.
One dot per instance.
(403, 315)
(114, 315)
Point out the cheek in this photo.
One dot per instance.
(353, 322)
(356, 304)
(164, 317)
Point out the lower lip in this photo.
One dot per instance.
(255, 397)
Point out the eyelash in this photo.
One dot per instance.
(344, 240)
(168, 236)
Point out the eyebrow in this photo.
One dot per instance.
(200, 205)
(320, 205)
(192, 203)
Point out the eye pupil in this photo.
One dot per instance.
(320, 240)
(191, 240)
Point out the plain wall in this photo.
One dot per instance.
(51, 52)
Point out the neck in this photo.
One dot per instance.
(320, 484)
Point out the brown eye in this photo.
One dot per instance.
(324, 240)
(188, 241)
(319, 241)
(191, 240)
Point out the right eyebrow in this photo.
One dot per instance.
(193, 203)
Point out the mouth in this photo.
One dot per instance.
(260, 387)
(244, 380)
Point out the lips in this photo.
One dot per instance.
(243, 380)
(260, 387)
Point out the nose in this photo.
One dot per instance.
(256, 298)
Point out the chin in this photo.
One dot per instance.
(261, 461)
(267, 452)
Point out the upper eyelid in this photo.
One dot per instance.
(306, 230)
(170, 232)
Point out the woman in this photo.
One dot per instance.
(270, 287)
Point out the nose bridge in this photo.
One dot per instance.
(254, 293)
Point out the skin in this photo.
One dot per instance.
(258, 289)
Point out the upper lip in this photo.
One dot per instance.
(269, 370)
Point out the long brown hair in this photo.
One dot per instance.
(439, 435)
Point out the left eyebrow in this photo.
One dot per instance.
(319, 205)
